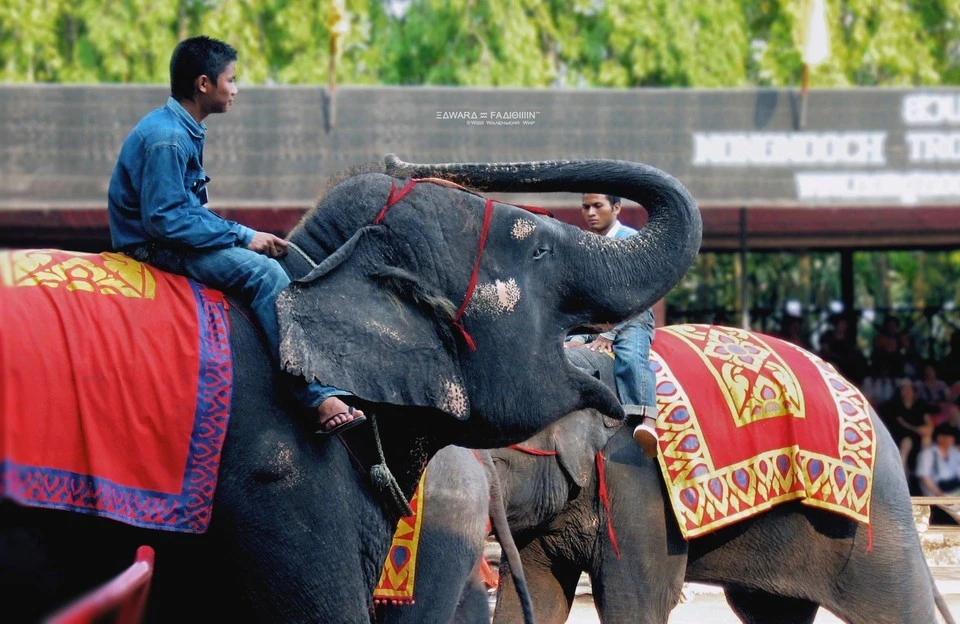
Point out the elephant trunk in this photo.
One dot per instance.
(616, 278)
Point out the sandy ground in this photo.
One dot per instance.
(708, 608)
(706, 604)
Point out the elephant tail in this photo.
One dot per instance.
(498, 517)
(940, 602)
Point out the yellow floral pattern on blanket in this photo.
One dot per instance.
(755, 380)
(708, 493)
(106, 273)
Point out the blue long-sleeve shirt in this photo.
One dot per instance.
(158, 188)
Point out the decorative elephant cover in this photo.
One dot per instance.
(396, 584)
(115, 386)
(747, 421)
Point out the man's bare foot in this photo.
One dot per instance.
(334, 416)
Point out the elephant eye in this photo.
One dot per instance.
(540, 252)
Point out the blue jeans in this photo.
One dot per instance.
(254, 278)
(636, 382)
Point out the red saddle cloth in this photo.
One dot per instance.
(115, 387)
(747, 421)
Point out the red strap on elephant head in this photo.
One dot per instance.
(529, 450)
(395, 196)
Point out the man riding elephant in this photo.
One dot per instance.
(157, 199)
(629, 341)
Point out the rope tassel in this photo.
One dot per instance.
(384, 481)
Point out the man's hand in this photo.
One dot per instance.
(601, 344)
(572, 343)
(268, 245)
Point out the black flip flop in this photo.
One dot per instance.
(342, 427)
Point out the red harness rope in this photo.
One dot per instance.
(396, 196)
(605, 499)
(530, 451)
(603, 494)
(457, 318)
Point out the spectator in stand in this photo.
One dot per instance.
(931, 389)
(912, 361)
(909, 422)
(791, 330)
(880, 386)
(886, 354)
(839, 347)
(938, 465)
(950, 365)
(949, 413)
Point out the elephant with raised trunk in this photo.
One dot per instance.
(297, 532)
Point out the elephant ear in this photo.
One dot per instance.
(359, 323)
(577, 438)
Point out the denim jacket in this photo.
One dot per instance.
(158, 188)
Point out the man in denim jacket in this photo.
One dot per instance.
(629, 341)
(157, 198)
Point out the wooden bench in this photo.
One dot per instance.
(924, 503)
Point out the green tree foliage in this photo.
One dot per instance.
(921, 288)
(518, 43)
(873, 43)
(278, 41)
(473, 43)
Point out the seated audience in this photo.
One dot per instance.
(839, 347)
(950, 365)
(880, 386)
(930, 389)
(938, 465)
(791, 330)
(886, 348)
(909, 422)
(912, 361)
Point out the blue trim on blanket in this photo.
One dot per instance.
(188, 512)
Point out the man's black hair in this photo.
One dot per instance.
(195, 57)
(945, 429)
(613, 199)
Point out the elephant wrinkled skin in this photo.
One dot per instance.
(779, 566)
(297, 533)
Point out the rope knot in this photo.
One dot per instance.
(384, 481)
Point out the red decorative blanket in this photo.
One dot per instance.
(115, 385)
(747, 421)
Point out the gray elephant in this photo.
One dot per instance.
(461, 495)
(780, 566)
(418, 294)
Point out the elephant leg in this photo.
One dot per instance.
(473, 605)
(757, 607)
(552, 586)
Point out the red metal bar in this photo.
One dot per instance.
(126, 594)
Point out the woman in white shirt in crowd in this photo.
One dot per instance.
(938, 465)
